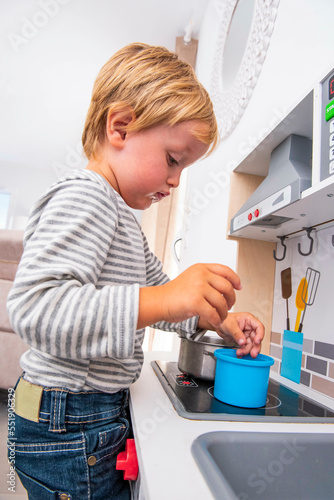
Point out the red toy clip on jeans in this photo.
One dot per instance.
(127, 461)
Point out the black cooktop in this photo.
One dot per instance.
(193, 398)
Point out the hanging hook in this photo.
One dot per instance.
(308, 230)
(282, 238)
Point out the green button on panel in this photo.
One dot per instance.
(330, 110)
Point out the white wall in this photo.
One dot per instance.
(301, 49)
(51, 52)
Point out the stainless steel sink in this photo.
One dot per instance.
(262, 465)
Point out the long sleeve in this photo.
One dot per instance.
(58, 304)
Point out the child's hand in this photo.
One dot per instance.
(246, 330)
(205, 290)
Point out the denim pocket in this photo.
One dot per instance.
(37, 490)
(107, 440)
(103, 445)
(47, 463)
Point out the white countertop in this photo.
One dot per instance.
(163, 439)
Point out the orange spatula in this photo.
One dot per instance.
(300, 304)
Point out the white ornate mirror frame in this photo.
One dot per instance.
(231, 97)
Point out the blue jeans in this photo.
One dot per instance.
(71, 451)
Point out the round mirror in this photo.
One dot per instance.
(244, 29)
(236, 41)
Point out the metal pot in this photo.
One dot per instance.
(196, 357)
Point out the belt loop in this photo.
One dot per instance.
(57, 410)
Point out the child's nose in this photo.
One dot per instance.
(174, 180)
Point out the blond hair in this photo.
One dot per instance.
(158, 87)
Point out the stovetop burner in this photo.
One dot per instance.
(193, 398)
(271, 403)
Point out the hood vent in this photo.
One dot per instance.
(290, 173)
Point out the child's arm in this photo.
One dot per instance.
(243, 327)
(205, 290)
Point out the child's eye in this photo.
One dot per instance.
(171, 160)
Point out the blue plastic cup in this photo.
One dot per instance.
(241, 381)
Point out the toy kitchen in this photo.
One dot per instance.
(292, 212)
(293, 205)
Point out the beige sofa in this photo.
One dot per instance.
(11, 345)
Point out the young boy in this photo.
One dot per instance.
(88, 285)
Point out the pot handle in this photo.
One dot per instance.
(208, 353)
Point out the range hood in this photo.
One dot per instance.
(290, 173)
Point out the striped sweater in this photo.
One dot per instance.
(76, 293)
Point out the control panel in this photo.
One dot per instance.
(327, 127)
(265, 207)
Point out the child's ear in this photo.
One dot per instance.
(117, 123)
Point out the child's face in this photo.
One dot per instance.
(150, 162)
